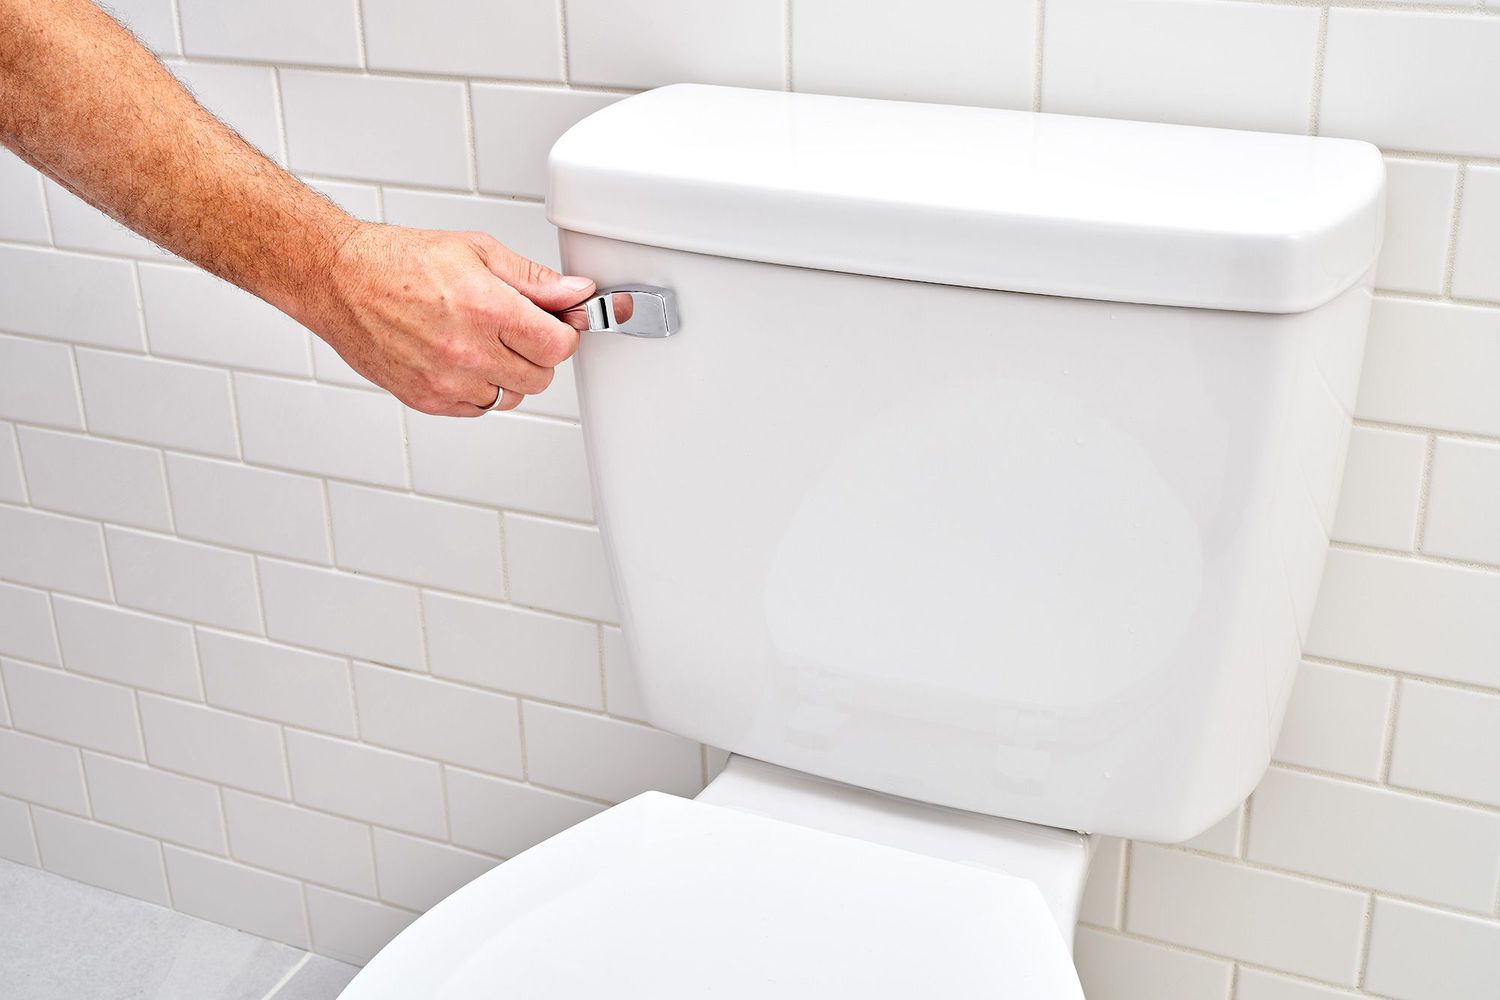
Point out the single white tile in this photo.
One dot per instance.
(22, 215)
(654, 42)
(914, 53)
(1336, 720)
(51, 551)
(1226, 64)
(1422, 954)
(607, 758)
(1382, 486)
(288, 31)
(351, 929)
(1476, 267)
(16, 841)
(622, 684)
(1221, 838)
(27, 633)
(518, 40)
(376, 620)
(71, 709)
(12, 488)
(515, 127)
(185, 579)
(530, 464)
(322, 430)
(360, 200)
(242, 97)
(37, 384)
(173, 808)
(1255, 984)
(1448, 741)
(151, 21)
(1102, 892)
(1418, 214)
(1461, 504)
(419, 874)
(413, 538)
(220, 746)
(1385, 71)
(193, 315)
(158, 402)
(227, 893)
(520, 225)
(376, 128)
(294, 841)
(63, 296)
(1432, 364)
(127, 646)
(365, 783)
(525, 652)
(273, 512)
(73, 474)
(558, 567)
(506, 817)
(77, 225)
(1421, 618)
(255, 677)
(433, 718)
(1114, 967)
(99, 855)
(1365, 836)
(1202, 903)
(41, 771)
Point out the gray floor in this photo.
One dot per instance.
(63, 940)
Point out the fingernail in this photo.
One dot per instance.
(573, 283)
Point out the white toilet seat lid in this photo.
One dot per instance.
(665, 897)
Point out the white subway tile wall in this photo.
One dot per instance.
(284, 656)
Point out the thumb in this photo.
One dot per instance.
(551, 291)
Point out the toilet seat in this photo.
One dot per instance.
(666, 897)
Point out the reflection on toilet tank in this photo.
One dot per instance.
(1030, 556)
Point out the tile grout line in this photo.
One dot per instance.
(1366, 933)
(786, 45)
(1037, 55)
(1450, 255)
(176, 8)
(1424, 495)
(278, 111)
(562, 40)
(276, 987)
(359, 33)
(1388, 733)
(1320, 53)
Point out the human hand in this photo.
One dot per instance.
(446, 321)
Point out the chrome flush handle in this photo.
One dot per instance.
(637, 310)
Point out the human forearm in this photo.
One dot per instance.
(450, 323)
(84, 103)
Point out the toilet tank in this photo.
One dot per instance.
(993, 462)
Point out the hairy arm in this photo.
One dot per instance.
(442, 320)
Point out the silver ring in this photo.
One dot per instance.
(499, 395)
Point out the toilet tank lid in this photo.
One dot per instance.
(979, 197)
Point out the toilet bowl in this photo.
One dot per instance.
(967, 474)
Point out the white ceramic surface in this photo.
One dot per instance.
(1034, 557)
(678, 899)
(984, 198)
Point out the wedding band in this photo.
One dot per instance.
(499, 395)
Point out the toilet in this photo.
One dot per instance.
(967, 474)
